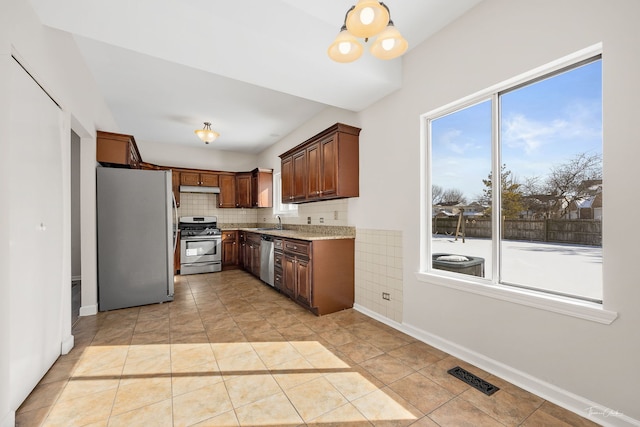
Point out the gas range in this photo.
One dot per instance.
(198, 226)
(200, 244)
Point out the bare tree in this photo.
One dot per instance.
(453, 196)
(436, 194)
(566, 181)
(450, 196)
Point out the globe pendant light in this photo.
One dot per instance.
(345, 48)
(206, 134)
(389, 44)
(367, 18)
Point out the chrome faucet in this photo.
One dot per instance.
(279, 222)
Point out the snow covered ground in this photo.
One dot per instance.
(570, 269)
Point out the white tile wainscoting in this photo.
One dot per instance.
(378, 270)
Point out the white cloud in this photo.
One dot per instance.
(578, 121)
(529, 135)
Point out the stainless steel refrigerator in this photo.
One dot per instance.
(135, 237)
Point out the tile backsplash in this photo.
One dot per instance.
(205, 204)
(379, 270)
(330, 212)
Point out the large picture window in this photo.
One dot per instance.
(514, 185)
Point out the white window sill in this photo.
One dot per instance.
(557, 304)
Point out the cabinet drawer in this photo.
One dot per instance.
(229, 235)
(277, 279)
(277, 244)
(297, 246)
(277, 260)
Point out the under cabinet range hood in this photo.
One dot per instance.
(199, 189)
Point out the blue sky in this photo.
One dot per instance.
(542, 125)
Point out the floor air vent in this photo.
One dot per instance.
(473, 380)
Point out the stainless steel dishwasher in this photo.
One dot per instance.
(266, 259)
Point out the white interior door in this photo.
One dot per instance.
(36, 234)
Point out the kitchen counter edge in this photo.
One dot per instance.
(293, 234)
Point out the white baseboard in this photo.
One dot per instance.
(570, 401)
(67, 344)
(89, 310)
(9, 419)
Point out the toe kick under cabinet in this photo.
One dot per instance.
(318, 274)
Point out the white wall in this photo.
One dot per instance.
(497, 40)
(54, 60)
(326, 118)
(205, 157)
(6, 414)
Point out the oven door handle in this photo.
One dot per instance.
(200, 238)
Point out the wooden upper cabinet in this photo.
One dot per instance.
(262, 188)
(189, 178)
(325, 166)
(286, 176)
(227, 196)
(251, 189)
(209, 179)
(243, 190)
(299, 179)
(199, 179)
(114, 149)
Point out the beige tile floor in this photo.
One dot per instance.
(230, 351)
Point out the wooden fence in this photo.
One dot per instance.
(573, 231)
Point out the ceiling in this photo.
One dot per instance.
(255, 69)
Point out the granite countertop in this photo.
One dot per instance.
(312, 233)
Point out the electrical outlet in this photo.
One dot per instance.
(335, 214)
(308, 220)
(321, 220)
(386, 295)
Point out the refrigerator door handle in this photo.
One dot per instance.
(175, 221)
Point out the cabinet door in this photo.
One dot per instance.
(175, 186)
(243, 190)
(227, 196)
(303, 281)
(328, 167)
(299, 176)
(229, 249)
(289, 275)
(261, 189)
(313, 171)
(189, 178)
(209, 179)
(286, 175)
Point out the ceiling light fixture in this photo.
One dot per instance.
(368, 18)
(206, 134)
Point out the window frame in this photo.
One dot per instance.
(575, 307)
(278, 206)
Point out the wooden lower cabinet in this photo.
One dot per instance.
(319, 275)
(251, 253)
(230, 250)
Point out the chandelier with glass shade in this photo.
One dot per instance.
(207, 134)
(367, 19)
